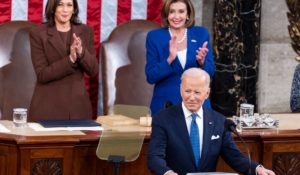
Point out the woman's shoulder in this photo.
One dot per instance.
(39, 29)
(199, 29)
(84, 27)
(156, 32)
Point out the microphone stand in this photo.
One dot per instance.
(231, 126)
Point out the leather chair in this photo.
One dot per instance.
(123, 59)
(17, 76)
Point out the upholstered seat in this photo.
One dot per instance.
(123, 59)
(17, 77)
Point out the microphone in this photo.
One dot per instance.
(231, 127)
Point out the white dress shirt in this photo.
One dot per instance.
(188, 120)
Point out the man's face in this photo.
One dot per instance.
(193, 92)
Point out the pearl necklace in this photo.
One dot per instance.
(182, 39)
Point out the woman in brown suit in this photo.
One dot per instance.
(62, 51)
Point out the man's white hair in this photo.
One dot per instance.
(196, 72)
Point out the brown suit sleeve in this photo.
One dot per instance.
(88, 60)
(47, 71)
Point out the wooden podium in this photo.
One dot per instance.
(76, 154)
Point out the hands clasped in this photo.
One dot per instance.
(75, 48)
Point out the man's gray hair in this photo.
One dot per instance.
(197, 72)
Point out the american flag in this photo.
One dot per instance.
(102, 15)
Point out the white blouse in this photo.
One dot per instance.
(182, 57)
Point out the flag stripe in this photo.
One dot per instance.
(124, 11)
(5, 11)
(19, 10)
(44, 7)
(93, 13)
(82, 4)
(35, 11)
(108, 17)
(139, 9)
(102, 15)
(153, 14)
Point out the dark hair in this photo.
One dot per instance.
(166, 9)
(51, 8)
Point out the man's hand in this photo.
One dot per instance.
(170, 172)
(260, 170)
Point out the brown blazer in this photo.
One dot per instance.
(60, 91)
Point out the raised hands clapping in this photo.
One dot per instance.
(75, 48)
(201, 53)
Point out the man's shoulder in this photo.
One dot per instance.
(169, 113)
(213, 114)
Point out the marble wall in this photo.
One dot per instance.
(276, 58)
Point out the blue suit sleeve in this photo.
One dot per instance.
(234, 157)
(157, 148)
(157, 68)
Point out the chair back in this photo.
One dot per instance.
(123, 59)
(17, 76)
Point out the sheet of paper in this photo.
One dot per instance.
(3, 129)
(38, 127)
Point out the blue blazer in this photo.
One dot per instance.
(167, 78)
(170, 148)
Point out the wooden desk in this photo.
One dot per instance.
(75, 155)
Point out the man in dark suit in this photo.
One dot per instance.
(190, 138)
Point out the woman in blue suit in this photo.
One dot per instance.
(178, 46)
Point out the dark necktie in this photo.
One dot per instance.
(194, 139)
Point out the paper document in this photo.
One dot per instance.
(38, 127)
(3, 129)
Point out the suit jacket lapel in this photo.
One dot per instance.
(184, 134)
(191, 49)
(176, 63)
(56, 41)
(209, 125)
